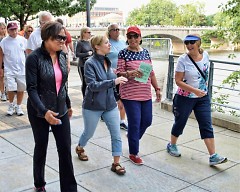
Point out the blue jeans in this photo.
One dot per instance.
(139, 115)
(112, 120)
(182, 108)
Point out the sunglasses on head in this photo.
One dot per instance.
(130, 36)
(190, 41)
(61, 38)
(116, 29)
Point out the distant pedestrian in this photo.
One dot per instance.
(99, 101)
(83, 52)
(136, 94)
(3, 33)
(48, 105)
(12, 53)
(35, 39)
(117, 45)
(191, 77)
(28, 29)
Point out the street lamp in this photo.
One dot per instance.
(88, 13)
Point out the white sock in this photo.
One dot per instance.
(122, 121)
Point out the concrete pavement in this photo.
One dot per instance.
(160, 173)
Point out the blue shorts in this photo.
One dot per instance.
(182, 108)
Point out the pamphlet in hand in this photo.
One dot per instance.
(146, 70)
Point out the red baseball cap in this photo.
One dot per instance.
(12, 25)
(134, 29)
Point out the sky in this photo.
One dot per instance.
(211, 6)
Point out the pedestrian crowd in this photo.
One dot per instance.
(117, 79)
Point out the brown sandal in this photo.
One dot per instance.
(81, 155)
(118, 169)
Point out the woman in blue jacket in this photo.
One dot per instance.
(99, 101)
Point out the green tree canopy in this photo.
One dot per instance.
(25, 10)
(191, 14)
(157, 12)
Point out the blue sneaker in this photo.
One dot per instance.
(217, 159)
(173, 150)
(123, 126)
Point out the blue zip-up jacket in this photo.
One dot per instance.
(99, 94)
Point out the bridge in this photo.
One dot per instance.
(176, 34)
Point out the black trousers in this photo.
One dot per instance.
(82, 77)
(40, 128)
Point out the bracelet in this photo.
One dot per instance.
(158, 89)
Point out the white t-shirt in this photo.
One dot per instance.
(35, 40)
(14, 55)
(192, 76)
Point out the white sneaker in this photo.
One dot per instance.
(19, 110)
(11, 109)
(3, 97)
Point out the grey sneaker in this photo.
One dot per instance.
(217, 159)
(11, 109)
(173, 150)
(19, 110)
(3, 97)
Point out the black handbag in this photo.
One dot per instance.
(200, 71)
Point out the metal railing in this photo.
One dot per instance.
(159, 48)
(219, 71)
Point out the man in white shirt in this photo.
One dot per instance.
(35, 39)
(12, 53)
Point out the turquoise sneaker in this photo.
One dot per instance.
(173, 150)
(217, 159)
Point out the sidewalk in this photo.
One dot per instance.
(160, 173)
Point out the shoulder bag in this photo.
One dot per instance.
(200, 71)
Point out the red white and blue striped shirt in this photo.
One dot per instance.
(134, 90)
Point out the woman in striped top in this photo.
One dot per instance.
(136, 96)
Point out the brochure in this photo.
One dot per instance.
(146, 70)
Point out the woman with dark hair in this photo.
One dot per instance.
(191, 77)
(83, 52)
(136, 95)
(48, 105)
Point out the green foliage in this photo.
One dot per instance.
(25, 10)
(166, 12)
(190, 15)
(220, 100)
(233, 79)
(157, 12)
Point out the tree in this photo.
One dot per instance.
(157, 12)
(190, 15)
(25, 10)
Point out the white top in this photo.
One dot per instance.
(192, 76)
(14, 55)
(35, 40)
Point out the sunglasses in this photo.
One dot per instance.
(191, 42)
(30, 31)
(130, 36)
(61, 38)
(115, 29)
(88, 32)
